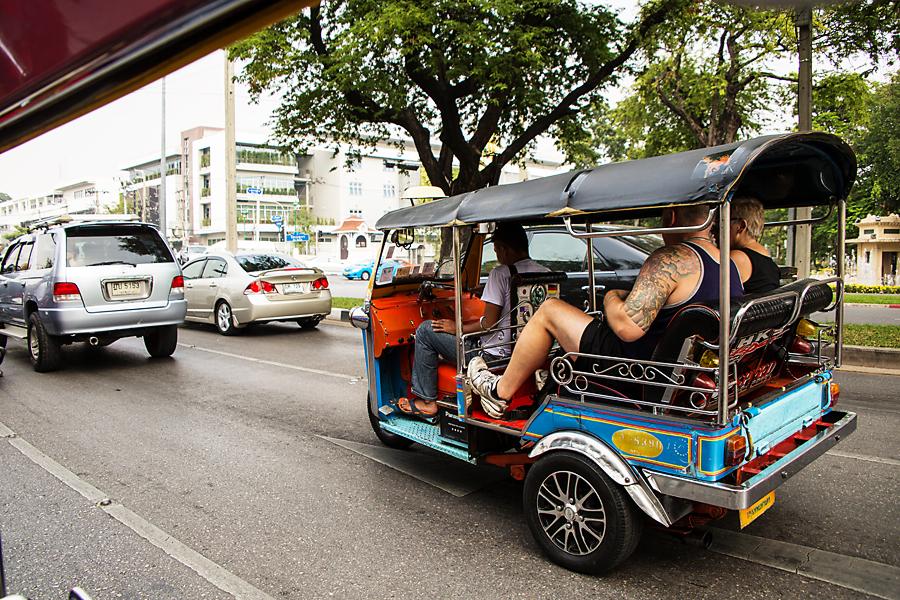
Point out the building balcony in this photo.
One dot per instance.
(205, 222)
(204, 192)
(265, 157)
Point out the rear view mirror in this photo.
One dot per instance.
(403, 237)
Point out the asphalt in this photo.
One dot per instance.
(229, 448)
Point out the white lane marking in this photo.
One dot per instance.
(859, 574)
(210, 571)
(866, 457)
(273, 363)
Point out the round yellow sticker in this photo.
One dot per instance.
(637, 443)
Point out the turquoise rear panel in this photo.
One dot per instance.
(790, 413)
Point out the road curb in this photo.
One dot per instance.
(340, 314)
(880, 358)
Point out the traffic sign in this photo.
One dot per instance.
(277, 219)
(254, 190)
(297, 236)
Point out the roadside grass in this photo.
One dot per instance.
(871, 298)
(873, 336)
(344, 302)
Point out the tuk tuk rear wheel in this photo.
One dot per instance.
(580, 518)
(391, 440)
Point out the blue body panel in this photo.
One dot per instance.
(675, 446)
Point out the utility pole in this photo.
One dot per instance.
(230, 161)
(163, 229)
(800, 236)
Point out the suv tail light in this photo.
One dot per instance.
(259, 287)
(735, 450)
(320, 284)
(65, 291)
(177, 285)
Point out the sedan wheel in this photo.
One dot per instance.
(365, 275)
(225, 319)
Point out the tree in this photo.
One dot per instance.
(476, 73)
(4, 197)
(879, 148)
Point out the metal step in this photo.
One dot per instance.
(424, 434)
(14, 331)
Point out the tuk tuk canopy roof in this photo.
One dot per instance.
(783, 170)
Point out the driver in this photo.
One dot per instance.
(684, 271)
(436, 339)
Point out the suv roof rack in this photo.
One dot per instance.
(81, 218)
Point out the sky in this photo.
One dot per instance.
(128, 131)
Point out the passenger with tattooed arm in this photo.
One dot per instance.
(684, 271)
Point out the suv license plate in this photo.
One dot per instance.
(124, 289)
(294, 288)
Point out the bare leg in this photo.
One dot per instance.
(555, 319)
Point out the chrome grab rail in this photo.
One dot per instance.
(811, 221)
(635, 371)
(640, 231)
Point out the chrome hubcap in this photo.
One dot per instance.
(33, 345)
(571, 513)
(224, 316)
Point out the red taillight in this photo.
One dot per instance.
(177, 285)
(320, 284)
(801, 345)
(735, 450)
(259, 287)
(65, 291)
(835, 392)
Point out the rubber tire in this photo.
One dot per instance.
(232, 330)
(49, 352)
(624, 520)
(365, 275)
(308, 323)
(391, 440)
(161, 343)
(3, 340)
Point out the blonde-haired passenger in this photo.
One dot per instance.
(759, 273)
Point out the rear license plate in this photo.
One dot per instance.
(294, 288)
(124, 289)
(748, 515)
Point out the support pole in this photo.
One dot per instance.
(230, 162)
(592, 283)
(802, 238)
(460, 345)
(724, 306)
(839, 309)
(163, 228)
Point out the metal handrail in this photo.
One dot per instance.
(640, 231)
(739, 317)
(811, 221)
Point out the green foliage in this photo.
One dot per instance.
(871, 289)
(19, 230)
(464, 73)
(4, 197)
(871, 298)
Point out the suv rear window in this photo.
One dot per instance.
(265, 262)
(113, 245)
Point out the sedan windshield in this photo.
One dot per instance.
(253, 263)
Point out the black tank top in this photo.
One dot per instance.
(766, 275)
(707, 291)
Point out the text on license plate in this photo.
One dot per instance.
(118, 289)
(748, 515)
(294, 288)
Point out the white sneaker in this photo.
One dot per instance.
(484, 383)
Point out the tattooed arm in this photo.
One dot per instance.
(630, 316)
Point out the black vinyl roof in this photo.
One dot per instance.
(784, 170)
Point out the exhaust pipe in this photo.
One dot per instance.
(93, 340)
(698, 537)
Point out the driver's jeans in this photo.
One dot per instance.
(431, 346)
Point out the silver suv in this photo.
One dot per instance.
(93, 282)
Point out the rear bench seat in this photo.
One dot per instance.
(763, 330)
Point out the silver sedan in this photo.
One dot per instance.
(233, 291)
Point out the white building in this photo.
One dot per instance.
(97, 196)
(140, 193)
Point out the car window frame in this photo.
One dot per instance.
(209, 260)
(15, 247)
(192, 263)
(27, 266)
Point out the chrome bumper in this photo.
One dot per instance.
(741, 496)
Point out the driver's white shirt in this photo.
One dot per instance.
(496, 291)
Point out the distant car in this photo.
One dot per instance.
(361, 270)
(233, 291)
(91, 281)
(190, 252)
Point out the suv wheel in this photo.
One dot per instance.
(224, 319)
(43, 349)
(161, 342)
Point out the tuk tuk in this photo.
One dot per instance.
(735, 400)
